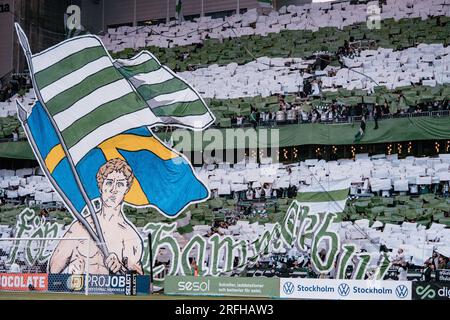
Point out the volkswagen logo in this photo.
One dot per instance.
(401, 291)
(288, 288)
(343, 289)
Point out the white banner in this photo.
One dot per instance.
(335, 289)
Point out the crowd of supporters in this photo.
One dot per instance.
(17, 85)
(296, 112)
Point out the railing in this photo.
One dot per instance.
(298, 120)
(12, 140)
(353, 119)
(341, 120)
(441, 113)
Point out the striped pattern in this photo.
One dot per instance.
(165, 93)
(91, 98)
(325, 196)
(53, 55)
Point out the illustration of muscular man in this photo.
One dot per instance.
(122, 240)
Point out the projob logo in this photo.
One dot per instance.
(401, 291)
(104, 281)
(194, 286)
(343, 289)
(426, 292)
(288, 288)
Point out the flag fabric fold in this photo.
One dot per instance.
(170, 97)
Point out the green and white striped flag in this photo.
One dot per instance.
(265, 3)
(91, 97)
(179, 10)
(325, 196)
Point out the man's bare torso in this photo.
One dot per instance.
(120, 238)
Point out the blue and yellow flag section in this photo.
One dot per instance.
(163, 178)
(48, 146)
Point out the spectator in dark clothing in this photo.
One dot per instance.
(253, 118)
(307, 88)
(386, 109)
(280, 192)
(233, 121)
(292, 192)
(428, 271)
(376, 114)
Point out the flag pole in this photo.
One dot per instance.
(21, 112)
(151, 260)
(26, 48)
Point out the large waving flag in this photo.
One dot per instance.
(92, 109)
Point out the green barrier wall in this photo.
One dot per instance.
(392, 130)
(16, 150)
(222, 286)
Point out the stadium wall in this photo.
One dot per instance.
(6, 34)
(122, 11)
(391, 130)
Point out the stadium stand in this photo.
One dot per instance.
(237, 186)
(317, 63)
(309, 17)
(425, 64)
(406, 70)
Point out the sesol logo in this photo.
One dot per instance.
(194, 286)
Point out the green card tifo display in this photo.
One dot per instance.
(222, 286)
